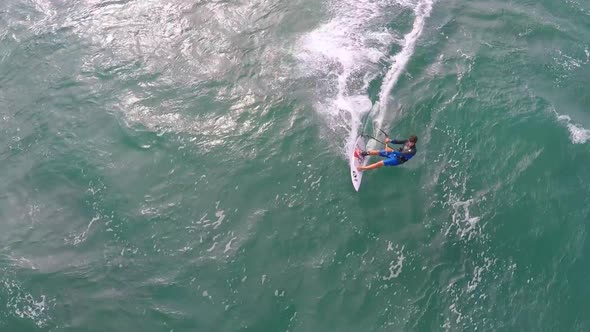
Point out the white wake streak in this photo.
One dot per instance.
(400, 61)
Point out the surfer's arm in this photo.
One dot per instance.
(394, 141)
(398, 141)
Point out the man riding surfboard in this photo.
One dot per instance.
(393, 157)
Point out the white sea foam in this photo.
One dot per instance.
(578, 134)
(345, 53)
(396, 266)
(25, 305)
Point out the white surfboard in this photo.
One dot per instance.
(357, 160)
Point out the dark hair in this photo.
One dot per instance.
(413, 139)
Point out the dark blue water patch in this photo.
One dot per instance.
(402, 22)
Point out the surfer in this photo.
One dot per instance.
(394, 157)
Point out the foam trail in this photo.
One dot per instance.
(400, 60)
(578, 134)
(342, 57)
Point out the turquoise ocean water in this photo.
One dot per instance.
(182, 165)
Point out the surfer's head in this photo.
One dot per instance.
(413, 139)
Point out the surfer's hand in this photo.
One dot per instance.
(387, 139)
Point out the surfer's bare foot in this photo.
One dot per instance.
(360, 168)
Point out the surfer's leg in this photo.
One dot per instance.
(378, 164)
(381, 153)
(372, 153)
(391, 161)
